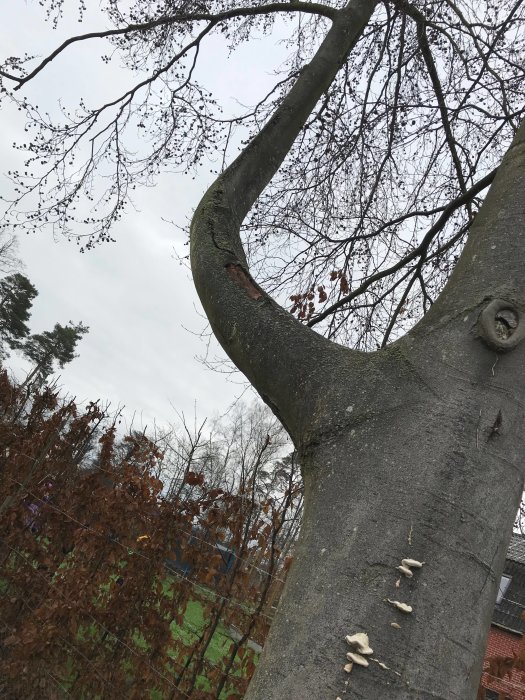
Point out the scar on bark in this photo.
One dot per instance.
(501, 325)
(239, 276)
(494, 430)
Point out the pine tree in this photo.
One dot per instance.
(16, 298)
(50, 347)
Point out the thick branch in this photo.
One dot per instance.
(257, 164)
(274, 350)
(491, 264)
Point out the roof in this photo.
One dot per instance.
(516, 550)
(508, 612)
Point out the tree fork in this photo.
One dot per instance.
(423, 461)
(398, 447)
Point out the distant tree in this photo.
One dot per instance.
(16, 298)
(228, 452)
(50, 347)
(8, 258)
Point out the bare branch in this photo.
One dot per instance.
(418, 251)
(213, 19)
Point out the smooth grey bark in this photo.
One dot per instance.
(414, 451)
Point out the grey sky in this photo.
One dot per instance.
(137, 299)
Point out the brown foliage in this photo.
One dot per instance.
(99, 570)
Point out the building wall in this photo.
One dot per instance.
(504, 644)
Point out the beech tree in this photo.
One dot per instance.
(358, 195)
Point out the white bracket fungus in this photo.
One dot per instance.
(361, 648)
(400, 606)
(360, 643)
(407, 565)
(412, 563)
(357, 659)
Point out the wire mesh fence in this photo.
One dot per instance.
(112, 584)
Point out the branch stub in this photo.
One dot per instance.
(501, 325)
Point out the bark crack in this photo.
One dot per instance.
(243, 280)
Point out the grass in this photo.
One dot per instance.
(194, 623)
(192, 627)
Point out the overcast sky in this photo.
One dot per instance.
(135, 296)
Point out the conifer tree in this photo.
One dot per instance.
(50, 347)
(16, 298)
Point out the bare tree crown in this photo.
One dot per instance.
(359, 229)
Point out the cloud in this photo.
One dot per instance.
(133, 294)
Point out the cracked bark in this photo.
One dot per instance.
(394, 466)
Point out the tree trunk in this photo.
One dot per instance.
(415, 451)
(407, 467)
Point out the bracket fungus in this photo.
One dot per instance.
(360, 643)
(412, 563)
(400, 606)
(361, 648)
(407, 565)
(356, 659)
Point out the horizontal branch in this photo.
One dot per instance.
(296, 6)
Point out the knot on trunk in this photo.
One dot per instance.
(501, 325)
